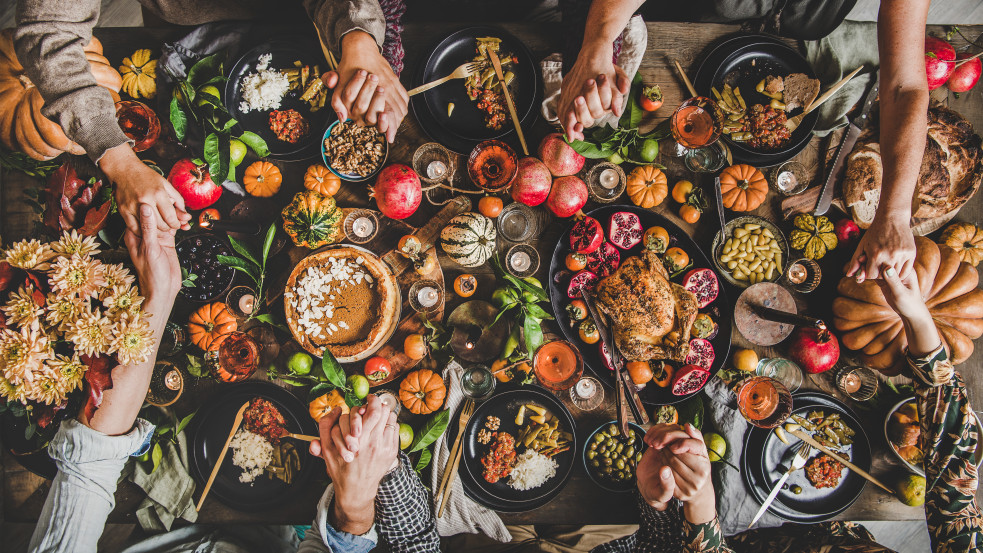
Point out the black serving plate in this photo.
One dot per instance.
(210, 428)
(720, 310)
(284, 54)
(465, 128)
(743, 61)
(505, 405)
(763, 453)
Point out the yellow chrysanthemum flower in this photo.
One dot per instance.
(21, 308)
(11, 391)
(29, 255)
(77, 275)
(60, 311)
(22, 353)
(117, 275)
(72, 243)
(63, 376)
(123, 299)
(133, 340)
(91, 333)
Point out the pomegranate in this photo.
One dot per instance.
(586, 235)
(604, 260)
(940, 59)
(847, 230)
(625, 230)
(689, 379)
(532, 183)
(561, 159)
(397, 191)
(568, 196)
(966, 74)
(700, 353)
(606, 357)
(704, 285)
(195, 185)
(813, 349)
(583, 279)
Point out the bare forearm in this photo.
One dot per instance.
(354, 516)
(606, 20)
(922, 334)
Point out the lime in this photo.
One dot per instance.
(300, 363)
(911, 490)
(237, 151)
(205, 94)
(649, 150)
(359, 385)
(503, 296)
(405, 435)
(716, 446)
(616, 158)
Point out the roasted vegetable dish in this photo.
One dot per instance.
(484, 87)
(828, 430)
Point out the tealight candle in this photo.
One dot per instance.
(363, 227)
(797, 273)
(436, 169)
(609, 178)
(586, 388)
(850, 383)
(428, 296)
(172, 380)
(520, 261)
(247, 303)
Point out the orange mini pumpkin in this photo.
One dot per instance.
(422, 392)
(324, 404)
(319, 179)
(742, 187)
(262, 179)
(210, 325)
(647, 186)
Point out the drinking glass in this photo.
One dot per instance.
(139, 123)
(238, 357)
(782, 370)
(708, 159)
(478, 383)
(587, 394)
(695, 123)
(558, 365)
(493, 165)
(764, 401)
(517, 222)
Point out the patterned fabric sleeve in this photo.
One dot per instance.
(664, 531)
(949, 439)
(403, 515)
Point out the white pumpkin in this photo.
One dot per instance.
(469, 239)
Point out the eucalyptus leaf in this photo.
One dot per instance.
(332, 369)
(433, 429)
(423, 461)
(255, 143)
(179, 119)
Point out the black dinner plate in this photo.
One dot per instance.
(210, 428)
(720, 310)
(763, 453)
(505, 406)
(742, 62)
(284, 54)
(465, 128)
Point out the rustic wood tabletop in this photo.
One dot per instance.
(581, 502)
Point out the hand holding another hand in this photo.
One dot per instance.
(681, 451)
(888, 242)
(136, 185)
(154, 257)
(594, 86)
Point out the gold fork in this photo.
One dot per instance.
(450, 471)
(794, 122)
(462, 72)
(328, 56)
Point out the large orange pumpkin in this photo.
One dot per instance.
(422, 392)
(319, 179)
(210, 325)
(949, 287)
(262, 179)
(647, 186)
(22, 127)
(743, 187)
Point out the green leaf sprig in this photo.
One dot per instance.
(522, 305)
(253, 265)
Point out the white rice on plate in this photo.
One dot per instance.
(252, 453)
(532, 469)
(265, 88)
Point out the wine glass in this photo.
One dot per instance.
(695, 124)
(558, 365)
(764, 401)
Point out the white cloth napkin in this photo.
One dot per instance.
(462, 514)
(634, 42)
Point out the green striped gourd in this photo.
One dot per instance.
(313, 220)
(469, 239)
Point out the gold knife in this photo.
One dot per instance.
(508, 98)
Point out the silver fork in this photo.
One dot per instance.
(799, 461)
(463, 71)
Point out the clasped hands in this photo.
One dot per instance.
(676, 464)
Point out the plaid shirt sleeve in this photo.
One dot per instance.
(403, 514)
(668, 530)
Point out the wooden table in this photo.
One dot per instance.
(581, 502)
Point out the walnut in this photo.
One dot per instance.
(484, 436)
(354, 150)
(493, 423)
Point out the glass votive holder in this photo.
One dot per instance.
(174, 340)
(389, 399)
(166, 384)
(361, 226)
(522, 260)
(425, 295)
(587, 394)
(434, 163)
(802, 275)
(790, 178)
(478, 383)
(139, 123)
(858, 383)
(242, 301)
(517, 222)
(606, 182)
(782, 370)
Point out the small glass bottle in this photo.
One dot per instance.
(478, 383)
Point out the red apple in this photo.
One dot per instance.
(940, 59)
(966, 74)
(195, 185)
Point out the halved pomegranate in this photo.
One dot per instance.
(585, 279)
(700, 353)
(625, 230)
(606, 357)
(704, 284)
(586, 235)
(689, 379)
(604, 260)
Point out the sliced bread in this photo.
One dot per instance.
(800, 91)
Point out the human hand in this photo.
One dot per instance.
(685, 453)
(594, 86)
(888, 242)
(904, 295)
(154, 257)
(138, 184)
(365, 88)
(654, 479)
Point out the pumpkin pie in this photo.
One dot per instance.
(343, 299)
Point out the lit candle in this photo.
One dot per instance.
(246, 303)
(436, 169)
(363, 227)
(428, 296)
(787, 180)
(586, 388)
(850, 383)
(172, 380)
(520, 261)
(609, 178)
(797, 273)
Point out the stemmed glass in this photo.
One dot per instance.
(696, 124)
(764, 401)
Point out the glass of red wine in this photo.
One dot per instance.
(139, 123)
